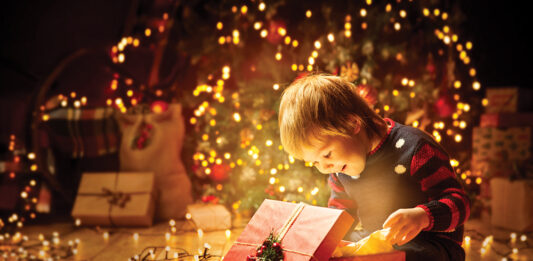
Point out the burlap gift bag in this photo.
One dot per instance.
(153, 142)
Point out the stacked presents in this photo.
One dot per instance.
(501, 153)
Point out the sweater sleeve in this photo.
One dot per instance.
(339, 199)
(448, 205)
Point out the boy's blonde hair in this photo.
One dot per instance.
(322, 105)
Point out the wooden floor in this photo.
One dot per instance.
(123, 244)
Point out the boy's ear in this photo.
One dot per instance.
(356, 123)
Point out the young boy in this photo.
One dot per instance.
(383, 173)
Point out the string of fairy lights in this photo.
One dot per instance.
(506, 248)
(22, 166)
(52, 247)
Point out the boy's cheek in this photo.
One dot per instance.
(320, 170)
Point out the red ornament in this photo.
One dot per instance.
(301, 75)
(430, 66)
(444, 105)
(220, 172)
(274, 37)
(259, 252)
(210, 199)
(368, 93)
(250, 258)
(159, 106)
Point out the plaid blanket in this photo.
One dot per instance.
(82, 132)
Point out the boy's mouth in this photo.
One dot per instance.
(343, 168)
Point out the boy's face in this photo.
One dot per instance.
(332, 154)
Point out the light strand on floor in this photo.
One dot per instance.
(487, 243)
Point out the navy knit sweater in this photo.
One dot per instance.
(408, 169)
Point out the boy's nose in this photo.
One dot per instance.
(325, 168)
(329, 166)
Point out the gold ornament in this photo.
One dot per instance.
(350, 72)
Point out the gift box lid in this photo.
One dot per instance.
(313, 235)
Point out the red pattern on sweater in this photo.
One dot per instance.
(448, 197)
(441, 174)
(423, 155)
(455, 213)
(341, 203)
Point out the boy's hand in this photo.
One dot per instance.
(405, 224)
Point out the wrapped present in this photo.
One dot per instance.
(508, 99)
(389, 256)
(501, 144)
(506, 120)
(119, 198)
(502, 99)
(210, 216)
(511, 204)
(488, 168)
(153, 142)
(306, 232)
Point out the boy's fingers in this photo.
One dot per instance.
(399, 233)
(408, 237)
(393, 234)
(402, 233)
(390, 220)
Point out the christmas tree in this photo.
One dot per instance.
(406, 58)
(231, 62)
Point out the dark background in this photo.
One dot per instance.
(36, 35)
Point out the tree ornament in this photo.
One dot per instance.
(220, 172)
(368, 93)
(159, 106)
(274, 28)
(301, 75)
(246, 136)
(210, 199)
(266, 115)
(270, 190)
(444, 105)
(368, 48)
(350, 72)
(248, 174)
(430, 67)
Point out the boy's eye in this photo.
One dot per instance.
(327, 155)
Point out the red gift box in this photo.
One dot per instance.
(390, 256)
(313, 234)
(502, 99)
(505, 120)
